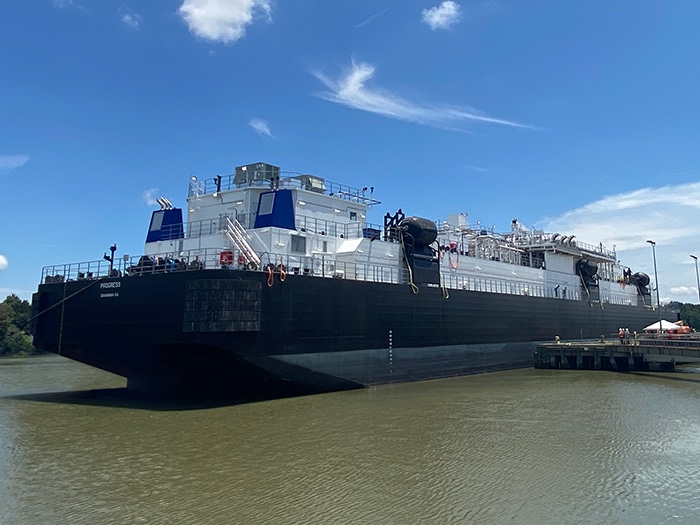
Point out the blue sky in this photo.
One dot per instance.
(575, 117)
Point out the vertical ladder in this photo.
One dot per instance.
(237, 234)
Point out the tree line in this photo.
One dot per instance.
(14, 327)
(688, 313)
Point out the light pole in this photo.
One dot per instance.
(697, 276)
(656, 278)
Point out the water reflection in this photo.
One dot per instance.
(527, 446)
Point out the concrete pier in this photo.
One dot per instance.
(640, 354)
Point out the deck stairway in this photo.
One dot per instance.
(240, 238)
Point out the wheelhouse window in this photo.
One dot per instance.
(157, 221)
(267, 202)
(298, 244)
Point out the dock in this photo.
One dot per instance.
(644, 353)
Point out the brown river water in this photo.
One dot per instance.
(520, 447)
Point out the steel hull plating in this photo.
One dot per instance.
(232, 329)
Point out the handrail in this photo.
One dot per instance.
(237, 234)
(288, 180)
(312, 265)
(309, 223)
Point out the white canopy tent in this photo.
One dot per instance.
(665, 326)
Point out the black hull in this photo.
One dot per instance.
(230, 330)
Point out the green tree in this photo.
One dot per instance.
(14, 327)
(21, 309)
(15, 341)
(7, 315)
(690, 313)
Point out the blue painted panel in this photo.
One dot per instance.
(165, 225)
(275, 208)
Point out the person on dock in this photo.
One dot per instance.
(627, 336)
(621, 336)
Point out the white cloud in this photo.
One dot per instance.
(684, 291)
(67, 4)
(149, 196)
(666, 215)
(351, 90)
(62, 4)
(372, 18)
(443, 16)
(3, 262)
(132, 20)
(223, 20)
(261, 127)
(11, 162)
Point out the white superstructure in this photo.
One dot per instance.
(261, 219)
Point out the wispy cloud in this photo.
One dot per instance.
(62, 4)
(666, 215)
(223, 20)
(488, 7)
(350, 90)
(11, 162)
(261, 127)
(66, 4)
(149, 196)
(3, 262)
(372, 18)
(130, 18)
(442, 16)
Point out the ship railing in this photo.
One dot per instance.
(324, 265)
(508, 287)
(134, 265)
(622, 299)
(514, 287)
(315, 265)
(304, 223)
(597, 249)
(547, 241)
(203, 228)
(195, 259)
(80, 271)
(355, 230)
(194, 229)
(310, 224)
(287, 180)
